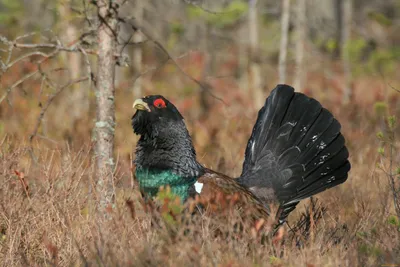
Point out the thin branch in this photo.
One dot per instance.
(157, 67)
(114, 8)
(88, 67)
(60, 47)
(36, 53)
(48, 103)
(195, 4)
(391, 86)
(27, 76)
(136, 43)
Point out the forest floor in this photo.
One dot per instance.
(46, 205)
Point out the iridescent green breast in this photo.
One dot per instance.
(151, 180)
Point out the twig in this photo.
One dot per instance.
(60, 47)
(27, 76)
(391, 177)
(88, 67)
(43, 111)
(48, 103)
(195, 4)
(397, 90)
(8, 91)
(36, 53)
(57, 46)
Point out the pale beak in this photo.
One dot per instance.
(139, 104)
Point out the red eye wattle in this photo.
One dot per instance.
(159, 103)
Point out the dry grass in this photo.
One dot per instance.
(46, 207)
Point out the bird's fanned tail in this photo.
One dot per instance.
(296, 150)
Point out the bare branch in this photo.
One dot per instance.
(149, 70)
(196, 4)
(36, 53)
(48, 103)
(60, 47)
(57, 46)
(27, 76)
(8, 91)
(391, 86)
(88, 67)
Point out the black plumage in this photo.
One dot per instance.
(296, 150)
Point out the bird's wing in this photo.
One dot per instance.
(217, 188)
(296, 150)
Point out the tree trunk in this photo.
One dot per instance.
(345, 38)
(254, 76)
(207, 47)
(242, 55)
(284, 40)
(301, 28)
(137, 52)
(77, 103)
(339, 28)
(105, 105)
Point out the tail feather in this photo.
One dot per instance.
(296, 149)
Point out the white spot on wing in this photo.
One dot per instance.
(198, 186)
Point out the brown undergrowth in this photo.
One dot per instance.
(47, 218)
(47, 214)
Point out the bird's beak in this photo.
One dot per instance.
(139, 104)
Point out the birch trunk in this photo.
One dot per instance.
(77, 103)
(105, 105)
(284, 40)
(300, 45)
(345, 38)
(137, 52)
(254, 76)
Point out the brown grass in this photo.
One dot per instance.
(46, 207)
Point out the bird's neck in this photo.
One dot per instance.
(167, 157)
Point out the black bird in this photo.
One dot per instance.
(295, 151)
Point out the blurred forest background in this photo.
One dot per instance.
(216, 61)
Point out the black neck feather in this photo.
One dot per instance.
(168, 146)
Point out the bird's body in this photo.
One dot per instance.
(296, 150)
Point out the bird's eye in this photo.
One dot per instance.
(159, 103)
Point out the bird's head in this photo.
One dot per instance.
(165, 143)
(153, 114)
